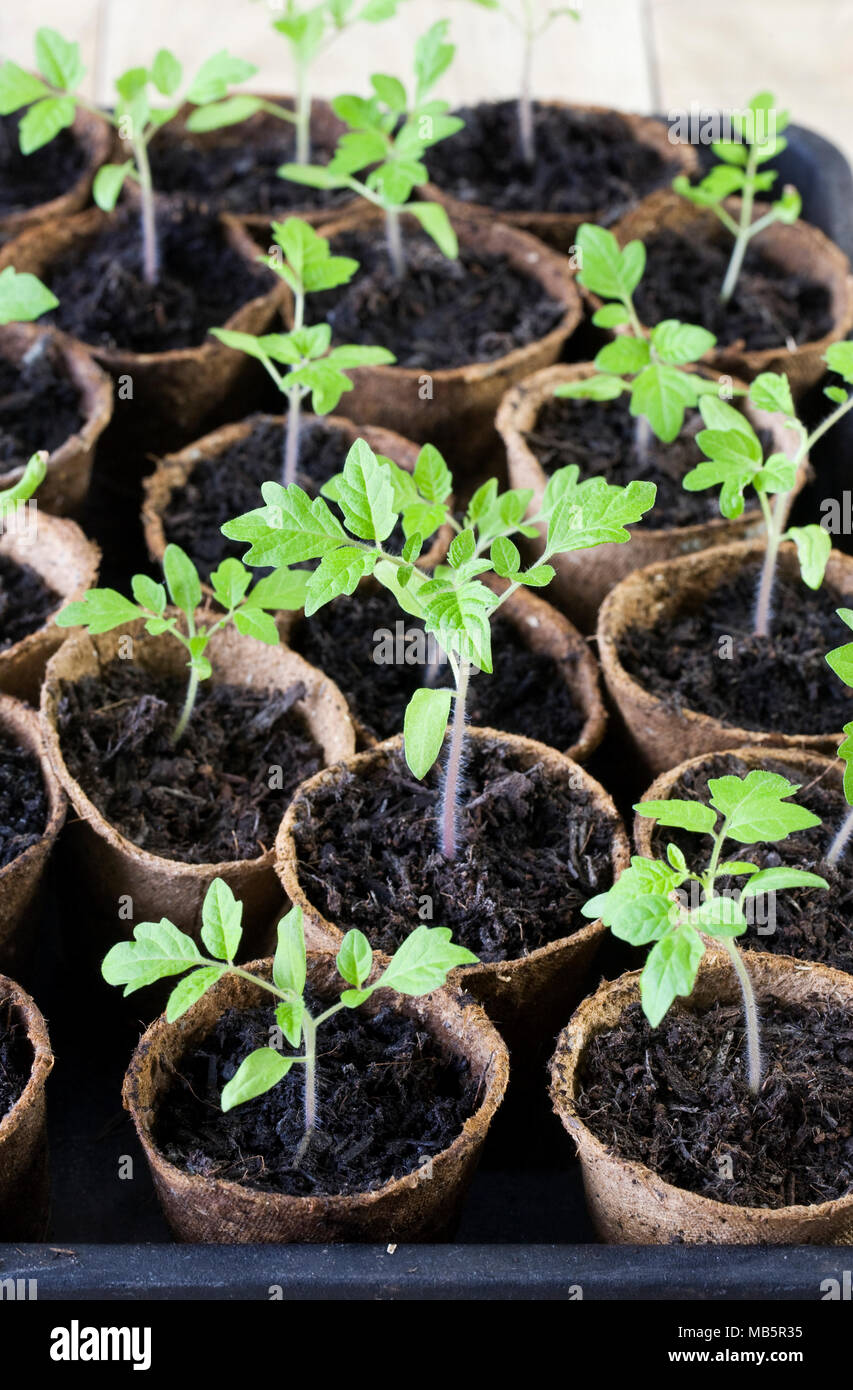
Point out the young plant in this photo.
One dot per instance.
(11, 498)
(52, 97)
(456, 606)
(522, 14)
(23, 297)
(735, 461)
(653, 901)
(160, 950)
(303, 260)
(388, 137)
(738, 172)
(309, 30)
(841, 661)
(103, 610)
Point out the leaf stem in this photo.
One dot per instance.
(394, 238)
(744, 232)
(189, 705)
(291, 436)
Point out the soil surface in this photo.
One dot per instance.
(26, 180)
(676, 1099)
(780, 682)
(769, 306)
(206, 800)
(443, 313)
(26, 601)
(16, 1058)
(104, 300)
(526, 694)
(23, 800)
(809, 923)
(585, 162)
(531, 851)
(39, 404)
(388, 1101)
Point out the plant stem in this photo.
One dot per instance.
(303, 117)
(526, 127)
(394, 237)
(642, 439)
(150, 250)
(744, 229)
(309, 1035)
(189, 705)
(750, 1008)
(841, 839)
(774, 521)
(453, 770)
(291, 437)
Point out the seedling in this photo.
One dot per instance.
(738, 172)
(103, 610)
(23, 297)
(388, 136)
(841, 661)
(159, 950)
(11, 498)
(532, 26)
(315, 368)
(455, 605)
(52, 97)
(736, 461)
(652, 901)
(309, 30)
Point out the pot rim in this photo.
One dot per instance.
(22, 723)
(97, 141)
(43, 1059)
(62, 532)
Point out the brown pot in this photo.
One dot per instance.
(800, 248)
(584, 577)
(418, 1206)
(173, 391)
(523, 996)
(24, 1183)
(69, 467)
(111, 866)
(459, 417)
(632, 1205)
(21, 879)
(57, 549)
(558, 229)
(97, 139)
(664, 736)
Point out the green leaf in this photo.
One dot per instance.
(423, 962)
(432, 476)
(149, 594)
(289, 529)
(365, 495)
(771, 880)
(624, 356)
(43, 121)
(18, 88)
(683, 815)
(756, 807)
(289, 969)
(424, 728)
(670, 971)
(645, 877)
(108, 184)
(592, 388)
(337, 573)
(611, 316)
(312, 175)
(158, 949)
(722, 415)
(594, 512)
(59, 60)
(771, 391)
(607, 270)
(720, 916)
(166, 72)
(221, 921)
(218, 114)
(505, 557)
(229, 582)
(462, 548)
(255, 622)
(433, 56)
(460, 620)
(355, 958)
(839, 358)
(283, 589)
(189, 990)
(99, 610)
(814, 546)
(539, 577)
(644, 919)
(680, 343)
(23, 297)
(436, 224)
(845, 752)
(182, 579)
(216, 75)
(778, 474)
(261, 1070)
(289, 1017)
(661, 393)
(390, 91)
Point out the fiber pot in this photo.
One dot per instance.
(24, 1183)
(69, 467)
(558, 229)
(173, 392)
(459, 415)
(583, 578)
(523, 996)
(799, 248)
(97, 139)
(109, 865)
(628, 1202)
(68, 563)
(418, 1206)
(665, 736)
(21, 879)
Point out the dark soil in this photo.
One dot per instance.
(206, 800)
(526, 694)
(676, 1099)
(444, 313)
(585, 162)
(779, 683)
(27, 180)
(16, 1058)
(809, 923)
(39, 404)
(104, 300)
(23, 801)
(388, 1101)
(26, 601)
(769, 306)
(531, 851)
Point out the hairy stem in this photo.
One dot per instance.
(150, 249)
(750, 1009)
(744, 229)
(394, 238)
(309, 1043)
(774, 520)
(642, 439)
(453, 770)
(291, 438)
(526, 126)
(837, 846)
(189, 705)
(303, 118)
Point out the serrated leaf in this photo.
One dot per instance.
(338, 573)
(679, 343)
(158, 949)
(720, 917)
(59, 59)
(505, 557)
(771, 391)
(99, 610)
(424, 961)
(291, 528)
(185, 994)
(230, 581)
(683, 815)
(365, 495)
(607, 269)
(257, 623)
(661, 394)
(432, 476)
(18, 88)
(624, 356)
(44, 120)
(216, 75)
(670, 970)
(756, 807)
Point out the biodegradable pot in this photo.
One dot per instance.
(629, 1203)
(663, 736)
(558, 229)
(24, 1182)
(20, 880)
(583, 578)
(97, 139)
(524, 995)
(69, 467)
(111, 866)
(800, 248)
(173, 471)
(58, 550)
(417, 1206)
(173, 391)
(459, 415)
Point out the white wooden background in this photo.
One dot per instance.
(636, 54)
